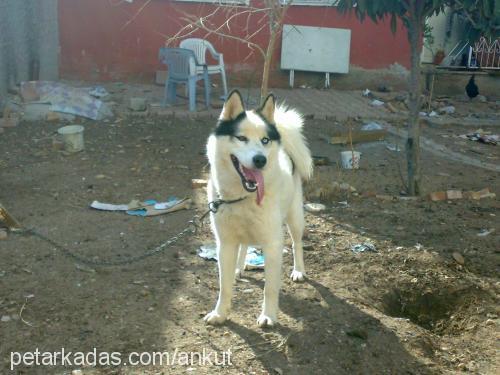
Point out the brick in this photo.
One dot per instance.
(454, 194)
(437, 196)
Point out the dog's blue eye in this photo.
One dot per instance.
(265, 140)
(242, 138)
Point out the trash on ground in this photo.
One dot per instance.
(376, 103)
(115, 207)
(253, 260)
(314, 207)
(482, 136)
(321, 160)
(363, 247)
(449, 109)
(8, 219)
(171, 202)
(350, 159)
(485, 232)
(3, 234)
(98, 92)
(72, 138)
(64, 98)
(197, 183)
(392, 147)
(367, 93)
(147, 208)
(372, 126)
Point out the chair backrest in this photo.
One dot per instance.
(198, 46)
(181, 62)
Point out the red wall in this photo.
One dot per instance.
(115, 40)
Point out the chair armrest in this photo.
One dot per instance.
(216, 55)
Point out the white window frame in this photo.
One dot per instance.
(221, 2)
(312, 3)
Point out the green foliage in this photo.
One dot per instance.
(379, 9)
(483, 15)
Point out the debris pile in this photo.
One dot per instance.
(482, 136)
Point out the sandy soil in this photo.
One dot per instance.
(409, 308)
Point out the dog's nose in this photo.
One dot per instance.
(259, 161)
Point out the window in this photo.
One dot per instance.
(222, 2)
(312, 2)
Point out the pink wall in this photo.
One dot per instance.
(114, 40)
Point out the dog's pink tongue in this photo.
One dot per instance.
(256, 175)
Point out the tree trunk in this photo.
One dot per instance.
(413, 141)
(264, 88)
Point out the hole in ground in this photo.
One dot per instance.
(430, 309)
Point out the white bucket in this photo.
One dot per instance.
(350, 159)
(72, 136)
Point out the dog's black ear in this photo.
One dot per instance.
(233, 106)
(267, 109)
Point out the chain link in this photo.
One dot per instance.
(193, 227)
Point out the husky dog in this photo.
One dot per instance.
(258, 160)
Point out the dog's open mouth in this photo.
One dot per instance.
(251, 179)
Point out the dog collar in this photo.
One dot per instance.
(213, 206)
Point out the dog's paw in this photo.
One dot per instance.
(214, 318)
(297, 276)
(265, 321)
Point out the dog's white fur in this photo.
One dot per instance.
(244, 223)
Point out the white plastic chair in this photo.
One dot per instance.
(200, 47)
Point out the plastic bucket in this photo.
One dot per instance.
(350, 159)
(72, 136)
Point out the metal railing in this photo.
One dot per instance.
(485, 54)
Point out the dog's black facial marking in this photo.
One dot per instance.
(229, 127)
(272, 132)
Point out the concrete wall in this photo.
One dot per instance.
(28, 31)
(447, 30)
(100, 41)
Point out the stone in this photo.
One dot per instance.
(458, 258)
(138, 104)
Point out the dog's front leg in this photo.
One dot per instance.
(273, 256)
(227, 265)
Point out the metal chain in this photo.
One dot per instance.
(192, 228)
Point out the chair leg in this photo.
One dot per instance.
(165, 94)
(172, 92)
(224, 82)
(207, 89)
(192, 94)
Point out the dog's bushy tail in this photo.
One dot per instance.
(289, 123)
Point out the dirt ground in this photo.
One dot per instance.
(409, 308)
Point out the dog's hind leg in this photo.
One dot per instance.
(273, 255)
(240, 266)
(295, 223)
(227, 264)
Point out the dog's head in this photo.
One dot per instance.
(247, 141)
